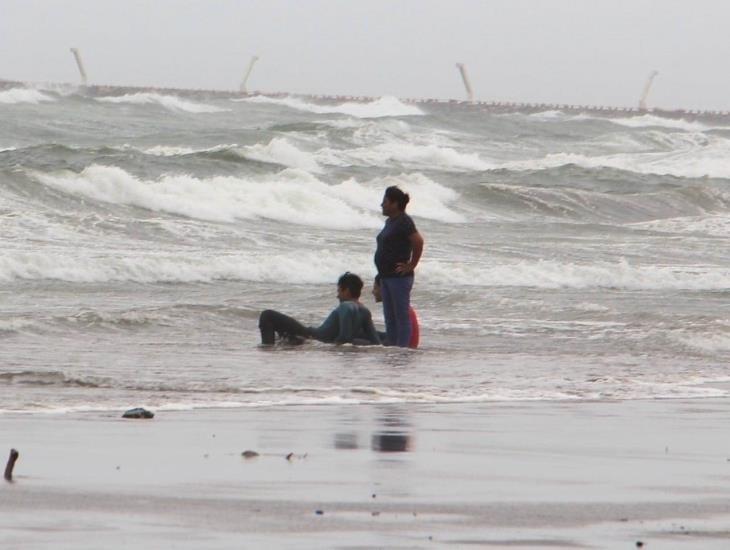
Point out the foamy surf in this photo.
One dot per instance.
(281, 151)
(401, 153)
(383, 107)
(24, 95)
(553, 274)
(564, 259)
(290, 196)
(146, 266)
(171, 103)
(688, 159)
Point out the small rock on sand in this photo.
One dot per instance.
(138, 412)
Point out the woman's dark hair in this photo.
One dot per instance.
(351, 282)
(395, 194)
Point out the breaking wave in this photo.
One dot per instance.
(690, 159)
(291, 196)
(49, 378)
(407, 155)
(172, 103)
(555, 274)
(282, 152)
(315, 267)
(23, 95)
(653, 121)
(383, 107)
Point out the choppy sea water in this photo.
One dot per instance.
(568, 257)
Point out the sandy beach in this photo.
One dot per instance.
(521, 475)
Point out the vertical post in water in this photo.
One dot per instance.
(465, 78)
(251, 63)
(645, 93)
(10, 465)
(80, 65)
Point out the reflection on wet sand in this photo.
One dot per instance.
(392, 433)
(391, 442)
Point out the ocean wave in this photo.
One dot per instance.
(277, 151)
(292, 196)
(50, 378)
(170, 102)
(553, 274)
(416, 156)
(281, 151)
(690, 161)
(710, 343)
(646, 206)
(13, 325)
(306, 267)
(386, 106)
(187, 398)
(23, 95)
(653, 121)
(715, 225)
(645, 120)
(324, 266)
(168, 150)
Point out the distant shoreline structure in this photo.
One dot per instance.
(486, 106)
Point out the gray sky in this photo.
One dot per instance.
(574, 51)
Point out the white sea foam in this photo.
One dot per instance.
(307, 267)
(15, 324)
(278, 151)
(169, 151)
(554, 274)
(292, 196)
(172, 103)
(645, 120)
(5, 149)
(406, 154)
(711, 343)
(548, 115)
(322, 266)
(178, 151)
(611, 389)
(429, 199)
(650, 121)
(690, 160)
(383, 107)
(716, 225)
(23, 95)
(281, 151)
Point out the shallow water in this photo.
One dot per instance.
(567, 256)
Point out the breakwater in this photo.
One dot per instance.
(487, 106)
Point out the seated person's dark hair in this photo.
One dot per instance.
(351, 282)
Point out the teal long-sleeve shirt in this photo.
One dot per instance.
(348, 322)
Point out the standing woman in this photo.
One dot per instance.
(399, 248)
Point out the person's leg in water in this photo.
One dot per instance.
(271, 322)
(396, 301)
(388, 315)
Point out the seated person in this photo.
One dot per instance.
(415, 332)
(349, 322)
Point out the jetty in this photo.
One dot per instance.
(99, 90)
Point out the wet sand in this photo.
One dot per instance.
(520, 475)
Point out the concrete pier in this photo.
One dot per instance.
(484, 106)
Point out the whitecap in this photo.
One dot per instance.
(386, 106)
(172, 103)
(292, 196)
(23, 95)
